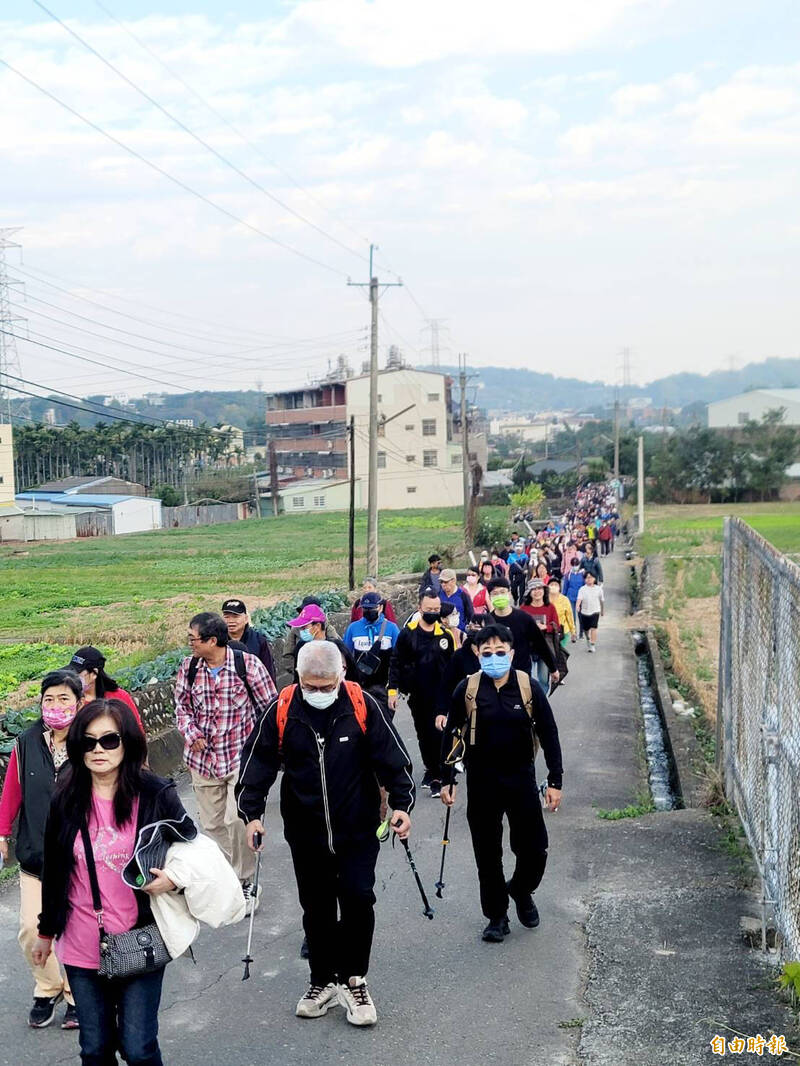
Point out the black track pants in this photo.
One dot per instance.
(430, 739)
(489, 798)
(338, 901)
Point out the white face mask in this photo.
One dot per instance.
(320, 701)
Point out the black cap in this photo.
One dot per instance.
(233, 607)
(87, 658)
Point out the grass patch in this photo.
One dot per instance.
(633, 810)
(572, 1023)
(8, 873)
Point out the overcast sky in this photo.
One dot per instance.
(557, 180)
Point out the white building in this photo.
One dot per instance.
(419, 460)
(128, 514)
(6, 467)
(735, 411)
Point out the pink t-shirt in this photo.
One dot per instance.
(112, 847)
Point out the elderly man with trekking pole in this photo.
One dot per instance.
(337, 746)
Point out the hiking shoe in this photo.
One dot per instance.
(496, 931)
(43, 1010)
(427, 777)
(357, 1001)
(252, 898)
(527, 911)
(317, 1001)
(436, 789)
(591, 649)
(70, 1018)
(304, 948)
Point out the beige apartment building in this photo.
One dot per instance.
(6, 467)
(419, 442)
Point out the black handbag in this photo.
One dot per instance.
(369, 662)
(139, 950)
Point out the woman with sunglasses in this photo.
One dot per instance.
(108, 789)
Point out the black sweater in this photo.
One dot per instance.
(158, 799)
(503, 735)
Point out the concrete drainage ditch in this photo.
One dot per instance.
(661, 770)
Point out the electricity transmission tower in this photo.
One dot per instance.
(9, 356)
(435, 325)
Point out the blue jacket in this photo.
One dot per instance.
(462, 602)
(361, 635)
(573, 583)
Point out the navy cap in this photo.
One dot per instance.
(371, 599)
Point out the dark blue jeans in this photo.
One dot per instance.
(117, 1015)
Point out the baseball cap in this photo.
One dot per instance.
(371, 599)
(448, 575)
(310, 613)
(233, 607)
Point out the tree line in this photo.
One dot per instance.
(167, 456)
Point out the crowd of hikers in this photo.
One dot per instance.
(114, 874)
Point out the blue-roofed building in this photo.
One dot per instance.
(97, 513)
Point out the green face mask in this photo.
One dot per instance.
(501, 601)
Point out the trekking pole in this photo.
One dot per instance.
(445, 842)
(428, 911)
(248, 959)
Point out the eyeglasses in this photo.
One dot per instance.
(191, 639)
(490, 654)
(108, 742)
(321, 688)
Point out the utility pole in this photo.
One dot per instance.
(257, 493)
(372, 473)
(640, 486)
(465, 477)
(9, 357)
(351, 540)
(274, 485)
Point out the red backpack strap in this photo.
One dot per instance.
(284, 701)
(356, 694)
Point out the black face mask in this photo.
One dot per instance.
(431, 616)
(372, 614)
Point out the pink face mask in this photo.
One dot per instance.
(58, 717)
(472, 579)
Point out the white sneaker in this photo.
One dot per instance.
(251, 897)
(591, 648)
(357, 1001)
(317, 1001)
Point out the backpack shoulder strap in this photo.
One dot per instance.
(284, 700)
(526, 691)
(470, 699)
(192, 674)
(356, 694)
(240, 666)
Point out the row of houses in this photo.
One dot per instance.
(91, 507)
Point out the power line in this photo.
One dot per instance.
(171, 177)
(242, 137)
(89, 404)
(196, 137)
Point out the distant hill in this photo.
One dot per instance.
(500, 389)
(513, 389)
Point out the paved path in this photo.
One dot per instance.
(442, 995)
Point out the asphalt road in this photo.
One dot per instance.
(442, 995)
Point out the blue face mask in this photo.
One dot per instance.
(306, 634)
(496, 665)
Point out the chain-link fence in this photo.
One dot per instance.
(758, 716)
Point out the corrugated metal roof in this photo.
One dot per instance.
(83, 500)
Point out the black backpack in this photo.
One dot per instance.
(241, 672)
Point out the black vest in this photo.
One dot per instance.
(37, 775)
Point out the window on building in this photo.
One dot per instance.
(433, 397)
(381, 429)
(298, 501)
(411, 488)
(319, 501)
(380, 398)
(411, 458)
(428, 427)
(381, 460)
(410, 428)
(743, 417)
(429, 457)
(455, 459)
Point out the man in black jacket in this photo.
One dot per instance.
(238, 622)
(492, 728)
(338, 747)
(529, 641)
(421, 654)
